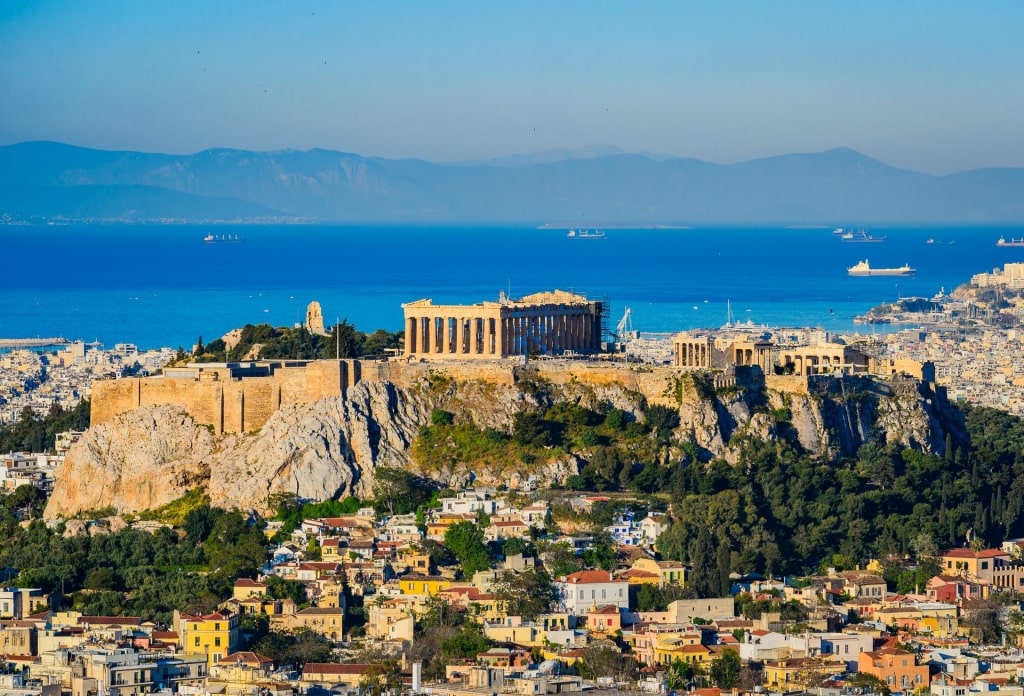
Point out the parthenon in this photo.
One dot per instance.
(548, 323)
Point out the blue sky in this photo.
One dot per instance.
(933, 86)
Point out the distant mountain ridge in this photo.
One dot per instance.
(588, 187)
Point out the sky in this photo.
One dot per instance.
(933, 86)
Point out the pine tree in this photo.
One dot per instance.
(702, 557)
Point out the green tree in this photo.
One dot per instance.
(982, 617)
(870, 683)
(514, 546)
(294, 648)
(561, 560)
(705, 579)
(601, 553)
(680, 675)
(725, 671)
(663, 420)
(441, 417)
(527, 594)
(344, 341)
(399, 492)
(281, 588)
(465, 644)
(530, 430)
(466, 541)
(383, 677)
(605, 662)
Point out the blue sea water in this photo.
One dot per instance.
(163, 286)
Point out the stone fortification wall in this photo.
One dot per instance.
(789, 384)
(232, 405)
(243, 405)
(652, 381)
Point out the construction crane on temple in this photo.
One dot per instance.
(624, 332)
(625, 325)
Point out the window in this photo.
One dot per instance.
(984, 565)
(216, 641)
(197, 640)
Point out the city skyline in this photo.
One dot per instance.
(928, 87)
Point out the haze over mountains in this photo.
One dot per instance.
(597, 186)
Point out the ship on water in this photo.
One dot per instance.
(586, 234)
(1012, 243)
(211, 238)
(863, 268)
(860, 237)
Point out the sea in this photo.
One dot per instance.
(162, 285)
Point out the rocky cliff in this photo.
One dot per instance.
(330, 448)
(833, 417)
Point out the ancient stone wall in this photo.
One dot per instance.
(243, 405)
(791, 384)
(233, 405)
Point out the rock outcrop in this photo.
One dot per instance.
(332, 447)
(141, 460)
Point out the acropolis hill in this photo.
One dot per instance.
(487, 342)
(319, 429)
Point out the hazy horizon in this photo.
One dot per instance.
(922, 86)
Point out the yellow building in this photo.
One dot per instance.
(682, 645)
(246, 588)
(215, 635)
(638, 577)
(325, 621)
(482, 606)
(528, 635)
(414, 583)
(668, 572)
(390, 619)
(332, 550)
(797, 674)
(940, 623)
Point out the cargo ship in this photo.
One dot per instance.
(1012, 243)
(863, 268)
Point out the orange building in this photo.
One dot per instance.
(897, 668)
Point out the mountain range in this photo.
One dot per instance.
(598, 186)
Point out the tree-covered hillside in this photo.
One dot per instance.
(267, 342)
(781, 510)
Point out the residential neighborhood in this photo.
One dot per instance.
(378, 589)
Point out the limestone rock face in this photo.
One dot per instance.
(321, 450)
(318, 451)
(834, 419)
(142, 459)
(333, 447)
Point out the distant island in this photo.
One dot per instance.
(54, 183)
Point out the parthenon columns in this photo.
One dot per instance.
(446, 335)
